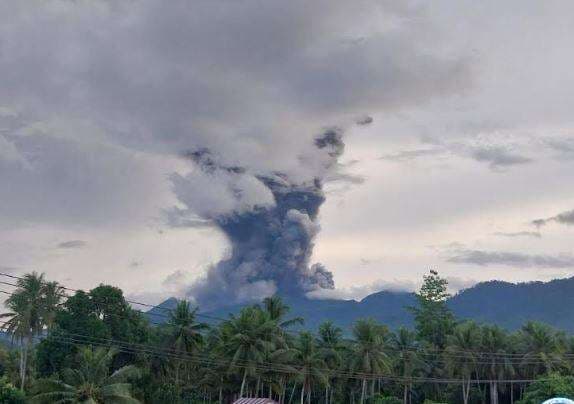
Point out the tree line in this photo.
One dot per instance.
(93, 347)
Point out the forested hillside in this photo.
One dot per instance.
(505, 304)
(93, 346)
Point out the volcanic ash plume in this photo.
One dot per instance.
(272, 243)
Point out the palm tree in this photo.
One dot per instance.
(497, 366)
(91, 382)
(33, 307)
(248, 337)
(330, 344)
(53, 295)
(460, 353)
(407, 360)
(543, 350)
(279, 362)
(310, 364)
(277, 310)
(370, 357)
(184, 333)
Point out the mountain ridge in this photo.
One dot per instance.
(506, 304)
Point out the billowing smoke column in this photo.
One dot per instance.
(271, 246)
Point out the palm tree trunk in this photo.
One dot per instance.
(243, 383)
(292, 392)
(466, 390)
(257, 386)
(21, 368)
(511, 393)
(24, 361)
(363, 390)
(493, 392)
(220, 394)
(406, 394)
(283, 390)
(303, 393)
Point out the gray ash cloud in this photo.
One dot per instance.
(270, 244)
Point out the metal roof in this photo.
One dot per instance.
(254, 401)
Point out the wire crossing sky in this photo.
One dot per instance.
(455, 117)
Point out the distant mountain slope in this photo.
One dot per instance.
(506, 304)
(510, 305)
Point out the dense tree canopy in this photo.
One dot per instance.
(94, 347)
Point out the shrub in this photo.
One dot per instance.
(387, 400)
(10, 394)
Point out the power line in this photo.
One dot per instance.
(147, 313)
(82, 340)
(430, 352)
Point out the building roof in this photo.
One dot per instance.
(254, 401)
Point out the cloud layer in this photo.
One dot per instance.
(513, 259)
(104, 105)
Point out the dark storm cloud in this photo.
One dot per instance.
(566, 218)
(251, 81)
(72, 244)
(518, 260)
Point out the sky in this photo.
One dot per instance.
(466, 167)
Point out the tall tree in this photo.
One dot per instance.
(184, 333)
(496, 362)
(460, 354)
(370, 357)
(311, 366)
(332, 351)
(33, 306)
(101, 313)
(407, 359)
(542, 349)
(433, 319)
(249, 336)
(278, 310)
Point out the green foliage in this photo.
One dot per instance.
(10, 394)
(32, 308)
(387, 400)
(257, 353)
(182, 334)
(553, 385)
(9, 364)
(90, 381)
(32, 305)
(433, 320)
(101, 314)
